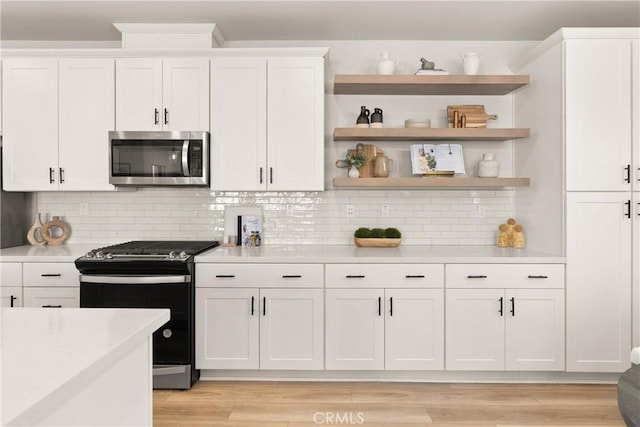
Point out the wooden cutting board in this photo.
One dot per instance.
(370, 151)
(476, 117)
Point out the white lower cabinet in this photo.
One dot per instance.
(52, 297)
(10, 284)
(51, 285)
(599, 281)
(373, 328)
(497, 329)
(394, 329)
(277, 326)
(10, 296)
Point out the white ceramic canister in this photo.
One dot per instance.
(387, 63)
(471, 63)
(487, 167)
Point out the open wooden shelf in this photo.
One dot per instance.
(410, 84)
(428, 182)
(415, 134)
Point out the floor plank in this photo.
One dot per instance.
(384, 404)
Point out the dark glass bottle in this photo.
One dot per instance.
(363, 118)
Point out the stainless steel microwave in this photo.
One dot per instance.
(159, 158)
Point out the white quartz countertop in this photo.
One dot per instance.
(46, 253)
(46, 355)
(352, 254)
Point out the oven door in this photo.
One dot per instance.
(172, 342)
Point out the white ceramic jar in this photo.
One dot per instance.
(471, 63)
(487, 167)
(387, 63)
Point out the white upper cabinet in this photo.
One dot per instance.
(598, 114)
(162, 94)
(267, 119)
(30, 131)
(238, 123)
(86, 115)
(57, 117)
(295, 124)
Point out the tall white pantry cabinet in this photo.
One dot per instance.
(583, 100)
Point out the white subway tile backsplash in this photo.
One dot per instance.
(424, 216)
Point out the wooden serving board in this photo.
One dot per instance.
(476, 117)
(370, 152)
(376, 243)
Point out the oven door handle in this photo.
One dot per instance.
(134, 280)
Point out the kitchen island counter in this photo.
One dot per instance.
(77, 366)
(410, 254)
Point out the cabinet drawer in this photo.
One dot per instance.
(10, 274)
(384, 275)
(485, 276)
(260, 275)
(51, 274)
(52, 297)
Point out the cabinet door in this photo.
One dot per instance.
(295, 124)
(238, 124)
(227, 328)
(354, 329)
(30, 124)
(475, 329)
(185, 94)
(598, 282)
(291, 329)
(87, 113)
(10, 296)
(414, 329)
(598, 114)
(52, 297)
(139, 94)
(635, 60)
(534, 329)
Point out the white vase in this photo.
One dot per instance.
(354, 172)
(387, 63)
(471, 63)
(487, 167)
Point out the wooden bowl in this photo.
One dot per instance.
(376, 243)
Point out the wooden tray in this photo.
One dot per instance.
(475, 115)
(377, 243)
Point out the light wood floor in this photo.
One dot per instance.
(307, 404)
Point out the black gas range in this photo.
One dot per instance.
(150, 274)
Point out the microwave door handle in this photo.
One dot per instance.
(185, 158)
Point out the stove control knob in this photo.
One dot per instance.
(183, 255)
(99, 254)
(109, 255)
(172, 255)
(89, 255)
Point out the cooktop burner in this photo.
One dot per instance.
(173, 250)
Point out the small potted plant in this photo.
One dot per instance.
(377, 237)
(355, 161)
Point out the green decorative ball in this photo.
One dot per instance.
(362, 233)
(377, 233)
(392, 233)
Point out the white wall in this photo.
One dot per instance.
(424, 216)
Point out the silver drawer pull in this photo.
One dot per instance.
(537, 277)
